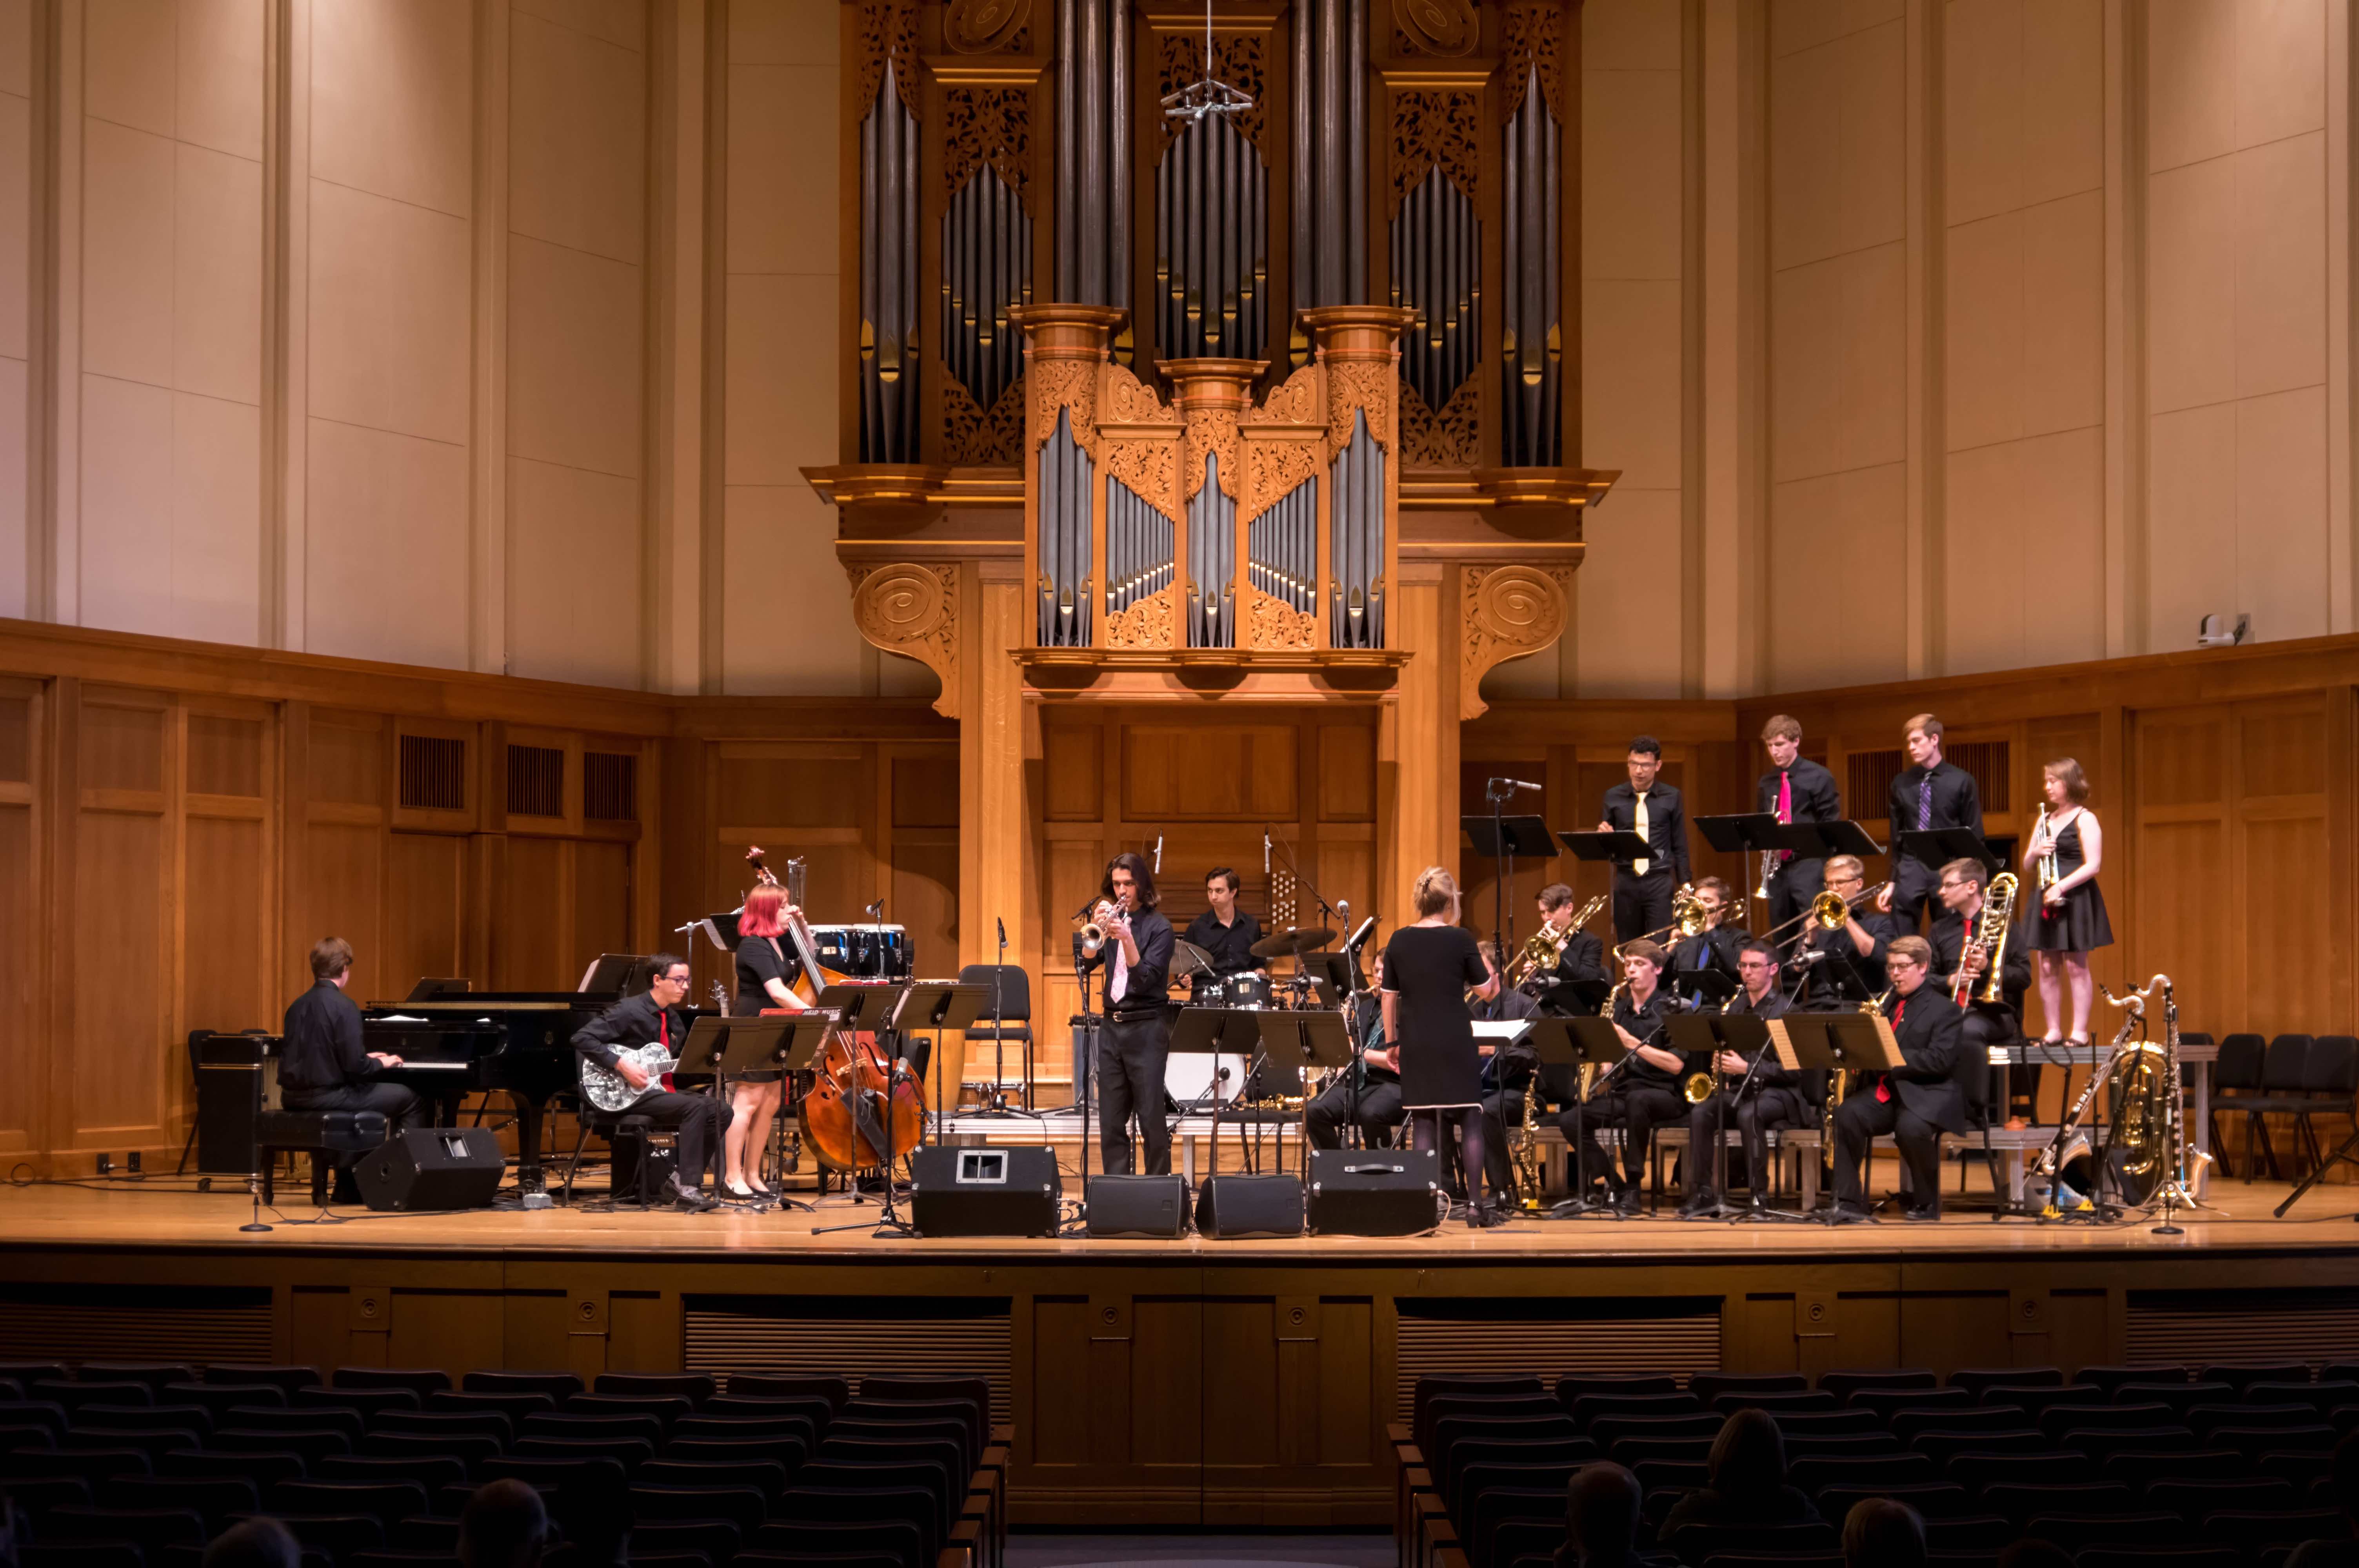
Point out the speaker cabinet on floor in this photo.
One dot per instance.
(1375, 1192)
(433, 1167)
(1139, 1206)
(1009, 1191)
(1250, 1206)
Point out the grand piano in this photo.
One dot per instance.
(454, 1042)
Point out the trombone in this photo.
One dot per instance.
(1830, 912)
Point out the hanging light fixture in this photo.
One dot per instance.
(1209, 94)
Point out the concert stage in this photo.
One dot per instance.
(1228, 1383)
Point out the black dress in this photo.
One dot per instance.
(1429, 967)
(2079, 924)
(761, 959)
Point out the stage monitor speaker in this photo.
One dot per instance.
(967, 1191)
(1375, 1192)
(1237, 1205)
(1139, 1206)
(433, 1167)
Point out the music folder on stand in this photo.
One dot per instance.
(722, 1046)
(1834, 1043)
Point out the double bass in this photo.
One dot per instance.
(855, 1097)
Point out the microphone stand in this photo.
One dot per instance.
(999, 1107)
(1083, 1077)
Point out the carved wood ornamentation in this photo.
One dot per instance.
(1445, 27)
(1505, 612)
(1446, 439)
(1273, 623)
(1364, 385)
(1150, 466)
(1533, 36)
(1274, 464)
(1237, 60)
(1214, 430)
(1064, 383)
(970, 436)
(1431, 128)
(988, 125)
(987, 27)
(912, 609)
(889, 31)
(1146, 624)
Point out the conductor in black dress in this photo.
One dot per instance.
(325, 1064)
(1135, 1040)
(1916, 1102)
(1795, 789)
(654, 1017)
(1429, 969)
(1646, 806)
(1928, 795)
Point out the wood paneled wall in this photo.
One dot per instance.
(179, 822)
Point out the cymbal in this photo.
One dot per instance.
(1189, 959)
(1293, 943)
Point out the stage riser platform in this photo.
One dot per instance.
(1184, 1383)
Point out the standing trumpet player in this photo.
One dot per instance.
(1136, 1040)
(2061, 861)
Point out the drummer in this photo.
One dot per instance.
(1224, 932)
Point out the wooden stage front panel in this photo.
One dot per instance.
(1187, 1382)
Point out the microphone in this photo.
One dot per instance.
(1264, 853)
(1002, 923)
(1516, 784)
(1158, 854)
(1344, 912)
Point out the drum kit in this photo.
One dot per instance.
(1200, 1080)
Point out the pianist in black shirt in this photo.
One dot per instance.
(654, 1017)
(325, 1064)
(1224, 931)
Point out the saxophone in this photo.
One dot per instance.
(1838, 1082)
(1524, 1154)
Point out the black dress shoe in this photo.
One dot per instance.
(1699, 1205)
(1627, 1200)
(1928, 1215)
(692, 1200)
(1850, 1214)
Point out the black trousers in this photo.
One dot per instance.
(1913, 887)
(1130, 1079)
(1793, 887)
(1862, 1119)
(699, 1122)
(1637, 1110)
(1754, 1118)
(1379, 1111)
(1642, 903)
(396, 1101)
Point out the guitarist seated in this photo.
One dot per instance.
(654, 1017)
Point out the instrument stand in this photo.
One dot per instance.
(1583, 1042)
(997, 1105)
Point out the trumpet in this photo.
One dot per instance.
(1092, 925)
(2048, 872)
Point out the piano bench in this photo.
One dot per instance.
(318, 1133)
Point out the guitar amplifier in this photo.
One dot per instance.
(1375, 1192)
(237, 1080)
(962, 1190)
(1139, 1206)
(433, 1168)
(1237, 1205)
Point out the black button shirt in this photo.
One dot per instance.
(1642, 1024)
(1230, 945)
(323, 1048)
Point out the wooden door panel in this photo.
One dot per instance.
(25, 1056)
(426, 892)
(2283, 927)
(123, 974)
(226, 926)
(342, 896)
(601, 901)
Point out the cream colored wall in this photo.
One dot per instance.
(16, 295)
(2236, 191)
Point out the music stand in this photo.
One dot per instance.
(1742, 834)
(1589, 1040)
(1699, 985)
(1500, 837)
(1835, 1042)
(1302, 1040)
(861, 1007)
(934, 1007)
(1834, 838)
(1205, 1031)
(1937, 846)
(1563, 997)
(717, 1045)
(611, 972)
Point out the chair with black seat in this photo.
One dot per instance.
(1844, 1382)
(645, 1427)
(1632, 1452)
(494, 1424)
(385, 1501)
(1851, 1444)
(2021, 1501)
(587, 1497)
(943, 1444)
(2329, 1079)
(265, 1467)
(1976, 1469)
(1908, 1423)
(421, 1381)
(220, 1398)
(1829, 1423)
(743, 1506)
(2251, 1417)
(812, 1408)
(839, 1505)
(81, 1554)
(2236, 1078)
(821, 1474)
(1608, 1430)
(694, 1387)
(967, 1416)
(628, 1451)
(154, 1442)
(214, 1497)
(1813, 1472)
(146, 1529)
(154, 1374)
(514, 1406)
(349, 1423)
(431, 1471)
(1504, 1506)
(44, 1413)
(1931, 1499)
(1569, 1453)
(2159, 1557)
(2032, 1400)
(425, 1532)
(2138, 1467)
(2256, 1532)
(1478, 1480)
(2319, 1439)
(2100, 1444)
(2181, 1397)
(25, 1374)
(337, 1535)
(1939, 1445)
(1884, 1401)
(73, 1395)
(37, 1494)
(470, 1448)
(1449, 1430)
(1974, 1379)
(2281, 1093)
(2075, 1532)
(558, 1386)
(14, 1437)
(369, 1402)
(1587, 1408)
(746, 1428)
(2108, 1378)
(93, 1465)
(663, 1408)
(2059, 1419)
(2320, 1396)
(1710, 1386)
(785, 1540)
(1008, 1000)
(1967, 1538)
(2303, 1468)
(779, 1386)
(2243, 1375)
(1779, 1402)
(1489, 1407)
(2197, 1499)
(1681, 1474)
(286, 1378)
(194, 1417)
(767, 1477)
(1701, 1542)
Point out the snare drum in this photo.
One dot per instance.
(865, 952)
(1246, 990)
(1188, 1077)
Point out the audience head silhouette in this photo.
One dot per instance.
(503, 1526)
(1882, 1533)
(2033, 1553)
(1748, 1457)
(254, 1543)
(1601, 1517)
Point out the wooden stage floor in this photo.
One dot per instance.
(171, 1216)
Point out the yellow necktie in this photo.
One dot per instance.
(1638, 825)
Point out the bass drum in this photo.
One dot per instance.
(1196, 1081)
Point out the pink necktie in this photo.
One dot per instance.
(1785, 808)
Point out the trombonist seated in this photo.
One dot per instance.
(1916, 1102)
(1775, 1097)
(1716, 947)
(1367, 1094)
(1645, 1092)
(654, 1017)
(1843, 964)
(1581, 958)
(1957, 954)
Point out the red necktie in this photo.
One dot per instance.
(1884, 1084)
(663, 1032)
(1785, 808)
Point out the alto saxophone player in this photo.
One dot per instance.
(1775, 1097)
